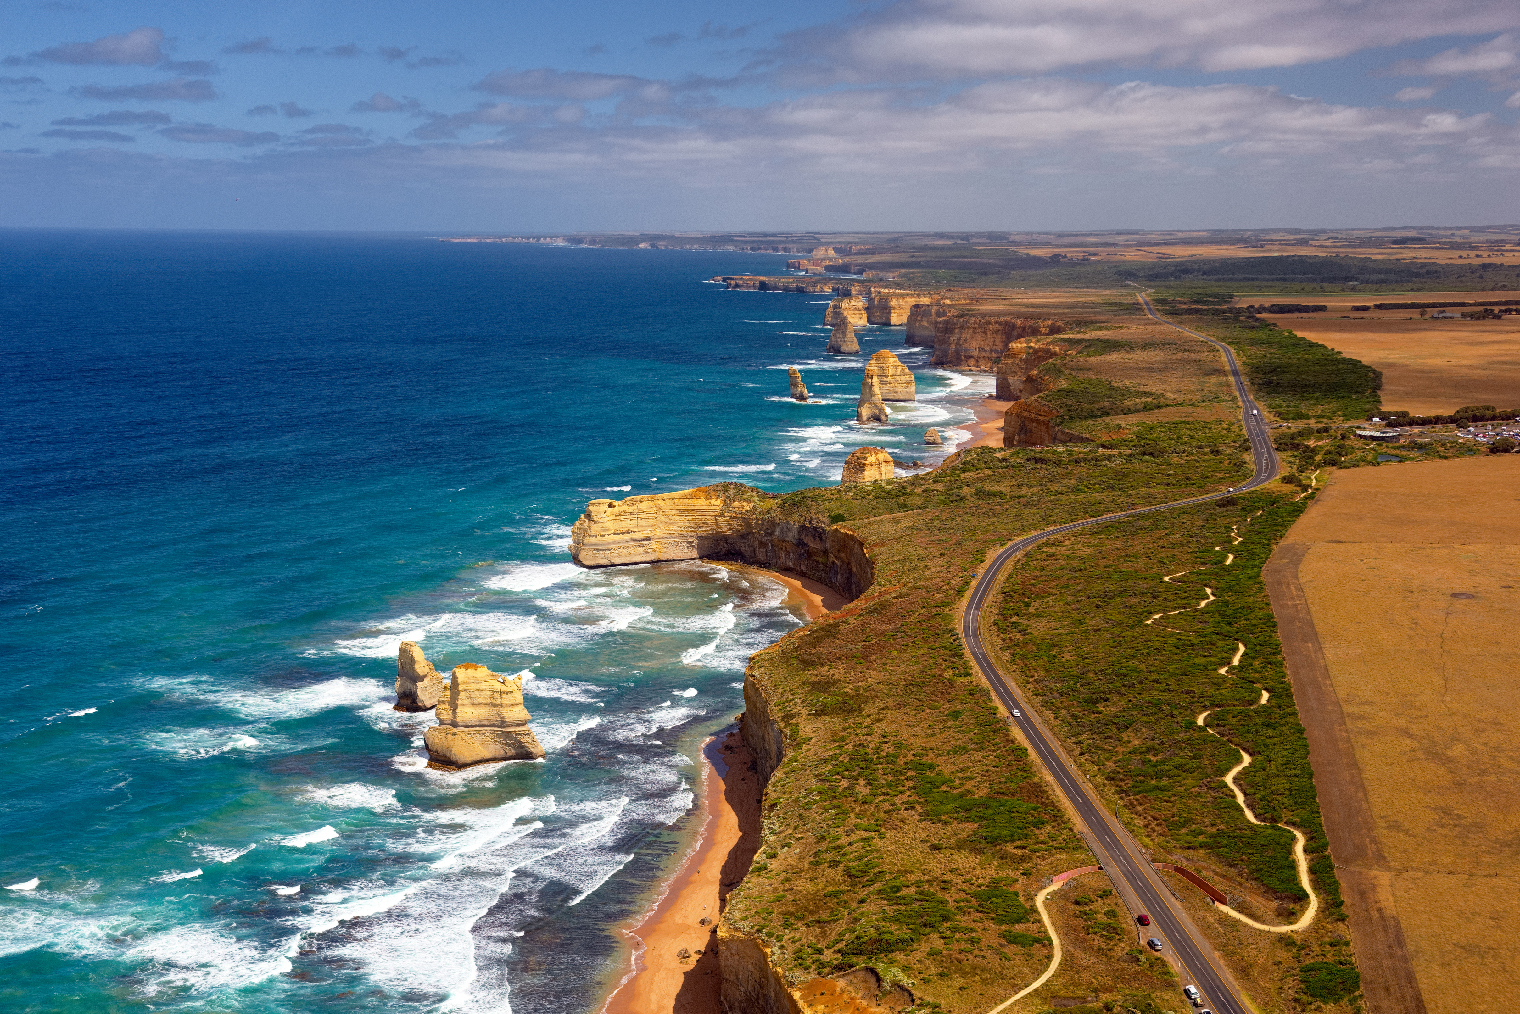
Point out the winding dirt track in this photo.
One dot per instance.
(1122, 858)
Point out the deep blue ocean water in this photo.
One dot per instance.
(237, 471)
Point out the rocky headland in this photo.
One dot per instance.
(850, 308)
(891, 308)
(1031, 423)
(481, 718)
(968, 340)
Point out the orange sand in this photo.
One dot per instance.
(987, 431)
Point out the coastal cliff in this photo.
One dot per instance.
(974, 342)
(850, 308)
(891, 308)
(724, 522)
(1031, 423)
(921, 320)
(1016, 371)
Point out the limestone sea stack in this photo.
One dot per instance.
(870, 408)
(850, 308)
(932, 437)
(896, 380)
(799, 389)
(842, 342)
(867, 464)
(481, 718)
(418, 684)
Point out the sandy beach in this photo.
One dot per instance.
(987, 431)
(661, 980)
(812, 597)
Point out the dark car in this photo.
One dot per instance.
(1154, 944)
(1143, 919)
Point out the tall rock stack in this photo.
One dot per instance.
(481, 718)
(896, 380)
(932, 437)
(850, 308)
(870, 408)
(867, 464)
(418, 684)
(842, 342)
(799, 389)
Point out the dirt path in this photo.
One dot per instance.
(1388, 980)
(1057, 882)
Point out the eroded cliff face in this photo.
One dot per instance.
(973, 342)
(1016, 371)
(751, 985)
(842, 340)
(703, 523)
(1031, 423)
(921, 320)
(870, 407)
(418, 684)
(799, 389)
(894, 379)
(850, 308)
(481, 718)
(891, 308)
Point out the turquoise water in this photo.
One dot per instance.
(238, 471)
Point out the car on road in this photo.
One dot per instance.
(1191, 992)
(1143, 919)
(1154, 944)
(1017, 713)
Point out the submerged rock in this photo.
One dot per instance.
(418, 684)
(481, 718)
(870, 408)
(896, 380)
(932, 437)
(842, 341)
(799, 389)
(867, 464)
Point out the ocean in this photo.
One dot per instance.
(239, 470)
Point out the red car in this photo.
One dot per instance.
(1143, 919)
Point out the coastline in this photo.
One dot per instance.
(987, 431)
(813, 598)
(659, 980)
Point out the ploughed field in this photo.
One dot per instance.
(1428, 366)
(1412, 576)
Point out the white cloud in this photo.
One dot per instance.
(1491, 57)
(142, 46)
(1413, 94)
(972, 38)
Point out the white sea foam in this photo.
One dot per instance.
(282, 889)
(617, 489)
(202, 958)
(267, 704)
(740, 468)
(554, 736)
(688, 692)
(533, 576)
(695, 655)
(170, 876)
(555, 536)
(25, 885)
(300, 841)
(559, 689)
(198, 744)
(352, 796)
(628, 728)
(621, 617)
(767, 322)
(81, 714)
(220, 854)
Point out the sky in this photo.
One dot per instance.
(544, 118)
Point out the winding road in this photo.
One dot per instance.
(1126, 864)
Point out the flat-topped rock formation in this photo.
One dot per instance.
(977, 342)
(723, 522)
(850, 308)
(867, 464)
(799, 389)
(870, 407)
(842, 341)
(418, 684)
(895, 379)
(481, 718)
(932, 437)
(891, 308)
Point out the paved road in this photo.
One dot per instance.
(1123, 860)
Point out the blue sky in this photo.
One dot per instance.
(919, 114)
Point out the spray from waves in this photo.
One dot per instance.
(321, 834)
(554, 736)
(533, 576)
(301, 702)
(559, 689)
(202, 959)
(199, 744)
(352, 796)
(740, 468)
(170, 876)
(220, 854)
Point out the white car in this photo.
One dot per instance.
(1017, 713)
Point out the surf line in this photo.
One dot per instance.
(1300, 859)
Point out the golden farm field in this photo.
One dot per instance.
(1429, 366)
(1412, 576)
